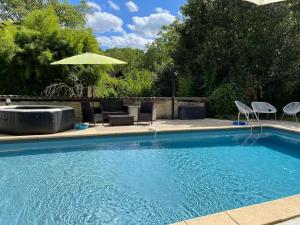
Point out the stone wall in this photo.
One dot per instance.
(163, 105)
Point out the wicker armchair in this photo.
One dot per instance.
(146, 112)
(90, 114)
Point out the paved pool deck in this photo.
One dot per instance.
(158, 126)
(273, 212)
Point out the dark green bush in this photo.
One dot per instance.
(221, 101)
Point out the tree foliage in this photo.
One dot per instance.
(137, 81)
(218, 47)
(232, 41)
(222, 98)
(69, 15)
(35, 33)
(27, 49)
(159, 58)
(133, 57)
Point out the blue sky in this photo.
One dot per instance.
(130, 23)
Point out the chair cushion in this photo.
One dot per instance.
(112, 105)
(146, 107)
(114, 112)
(145, 117)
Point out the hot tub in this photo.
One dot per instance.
(35, 119)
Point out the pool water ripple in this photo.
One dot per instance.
(142, 179)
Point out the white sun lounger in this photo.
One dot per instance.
(291, 109)
(245, 110)
(263, 108)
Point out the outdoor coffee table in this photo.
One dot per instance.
(120, 120)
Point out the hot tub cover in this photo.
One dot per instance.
(35, 119)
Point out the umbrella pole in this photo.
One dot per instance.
(173, 95)
(92, 89)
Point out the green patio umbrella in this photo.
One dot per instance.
(88, 59)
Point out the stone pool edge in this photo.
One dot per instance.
(78, 134)
(271, 212)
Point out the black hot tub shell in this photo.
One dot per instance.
(35, 119)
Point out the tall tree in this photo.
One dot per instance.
(159, 58)
(27, 49)
(233, 41)
(133, 57)
(137, 80)
(69, 15)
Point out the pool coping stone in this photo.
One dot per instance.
(271, 212)
(80, 134)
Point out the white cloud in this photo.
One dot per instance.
(132, 7)
(127, 40)
(94, 5)
(160, 10)
(143, 29)
(149, 26)
(104, 22)
(113, 5)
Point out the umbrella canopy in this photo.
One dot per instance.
(88, 59)
(264, 2)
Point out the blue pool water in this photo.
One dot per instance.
(142, 179)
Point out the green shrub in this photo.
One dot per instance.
(185, 86)
(221, 101)
(136, 83)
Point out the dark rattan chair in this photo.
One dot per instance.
(146, 112)
(112, 107)
(90, 114)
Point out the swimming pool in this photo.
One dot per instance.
(145, 179)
